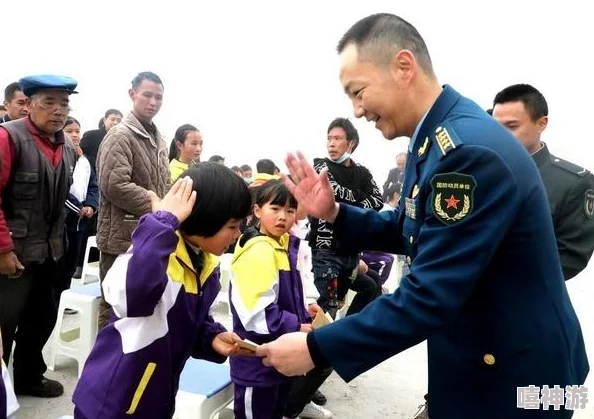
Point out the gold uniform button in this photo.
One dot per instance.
(489, 359)
(408, 260)
(411, 239)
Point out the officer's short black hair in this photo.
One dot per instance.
(351, 132)
(378, 37)
(145, 75)
(534, 101)
(11, 90)
(265, 166)
(222, 196)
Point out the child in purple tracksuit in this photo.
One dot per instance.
(266, 295)
(161, 291)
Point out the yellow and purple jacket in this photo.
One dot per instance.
(161, 291)
(266, 295)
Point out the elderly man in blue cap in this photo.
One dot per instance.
(37, 161)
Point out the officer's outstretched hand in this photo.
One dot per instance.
(312, 190)
(179, 200)
(289, 354)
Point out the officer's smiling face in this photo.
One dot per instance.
(379, 92)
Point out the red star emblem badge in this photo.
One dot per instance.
(452, 202)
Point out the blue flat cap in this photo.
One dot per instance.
(33, 84)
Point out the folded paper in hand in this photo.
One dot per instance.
(247, 344)
(321, 319)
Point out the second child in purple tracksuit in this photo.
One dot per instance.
(267, 301)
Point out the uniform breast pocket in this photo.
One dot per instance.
(25, 185)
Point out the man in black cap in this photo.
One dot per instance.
(37, 161)
(570, 188)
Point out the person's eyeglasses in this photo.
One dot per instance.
(55, 106)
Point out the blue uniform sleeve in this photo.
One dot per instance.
(358, 229)
(449, 262)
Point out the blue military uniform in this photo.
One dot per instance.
(485, 286)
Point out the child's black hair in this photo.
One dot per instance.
(71, 120)
(180, 135)
(221, 196)
(273, 192)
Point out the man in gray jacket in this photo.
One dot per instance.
(132, 160)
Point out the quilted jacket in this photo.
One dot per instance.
(130, 162)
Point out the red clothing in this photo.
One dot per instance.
(51, 150)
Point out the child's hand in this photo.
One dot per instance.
(87, 212)
(313, 309)
(179, 200)
(225, 344)
(306, 328)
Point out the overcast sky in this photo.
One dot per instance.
(261, 78)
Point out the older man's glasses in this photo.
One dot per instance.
(54, 106)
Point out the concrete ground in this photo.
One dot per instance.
(393, 389)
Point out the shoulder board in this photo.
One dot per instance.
(569, 167)
(446, 139)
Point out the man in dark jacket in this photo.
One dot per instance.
(396, 175)
(570, 188)
(35, 177)
(15, 103)
(91, 140)
(89, 144)
(335, 271)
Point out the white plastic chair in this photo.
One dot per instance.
(90, 271)
(77, 342)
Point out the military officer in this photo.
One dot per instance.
(472, 205)
(523, 110)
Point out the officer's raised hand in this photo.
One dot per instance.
(312, 190)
